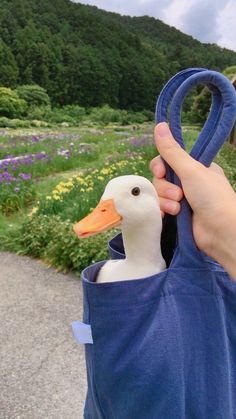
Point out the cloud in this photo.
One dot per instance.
(226, 23)
(211, 21)
(132, 8)
(196, 18)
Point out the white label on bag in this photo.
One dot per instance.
(82, 332)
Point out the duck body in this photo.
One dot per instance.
(124, 270)
(130, 203)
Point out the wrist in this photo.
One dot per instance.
(224, 247)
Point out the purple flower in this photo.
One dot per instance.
(25, 176)
(28, 159)
(17, 189)
(35, 139)
(40, 156)
(141, 141)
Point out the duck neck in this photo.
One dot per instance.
(143, 244)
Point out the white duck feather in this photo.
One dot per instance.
(130, 203)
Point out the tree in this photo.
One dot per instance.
(8, 66)
(11, 105)
(83, 55)
(34, 95)
(202, 102)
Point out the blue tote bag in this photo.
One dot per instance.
(164, 347)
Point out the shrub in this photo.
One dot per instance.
(38, 113)
(14, 123)
(16, 196)
(71, 114)
(105, 114)
(108, 115)
(34, 95)
(53, 240)
(11, 105)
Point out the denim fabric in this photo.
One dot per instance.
(164, 347)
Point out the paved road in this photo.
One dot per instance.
(42, 370)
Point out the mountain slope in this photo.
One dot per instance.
(84, 55)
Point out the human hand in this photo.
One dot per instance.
(207, 190)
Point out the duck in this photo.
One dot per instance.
(129, 203)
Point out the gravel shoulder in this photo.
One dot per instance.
(42, 368)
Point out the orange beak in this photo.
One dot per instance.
(103, 217)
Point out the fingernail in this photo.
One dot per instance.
(163, 130)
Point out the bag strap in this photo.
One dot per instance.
(215, 131)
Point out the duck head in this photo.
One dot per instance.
(128, 201)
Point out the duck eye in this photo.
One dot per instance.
(135, 191)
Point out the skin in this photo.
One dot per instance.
(209, 194)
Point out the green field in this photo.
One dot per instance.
(50, 178)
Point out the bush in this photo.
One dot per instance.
(14, 123)
(39, 113)
(74, 111)
(34, 95)
(108, 115)
(11, 105)
(54, 241)
(105, 115)
(71, 114)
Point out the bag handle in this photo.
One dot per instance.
(215, 131)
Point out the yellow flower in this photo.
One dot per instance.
(62, 190)
(48, 198)
(100, 178)
(105, 171)
(56, 197)
(69, 184)
(33, 211)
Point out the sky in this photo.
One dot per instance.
(211, 21)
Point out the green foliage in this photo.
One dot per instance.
(39, 113)
(14, 123)
(230, 72)
(202, 101)
(201, 106)
(108, 115)
(8, 66)
(15, 197)
(80, 54)
(10, 104)
(227, 160)
(53, 240)
(33, 95)
(73, 114)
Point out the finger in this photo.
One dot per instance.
(172, 153)
(168, 190)
(169, 207)
(157, 167)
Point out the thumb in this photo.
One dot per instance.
(180, 161)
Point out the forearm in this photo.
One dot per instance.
(225, 250)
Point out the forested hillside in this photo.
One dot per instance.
(84, 55)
